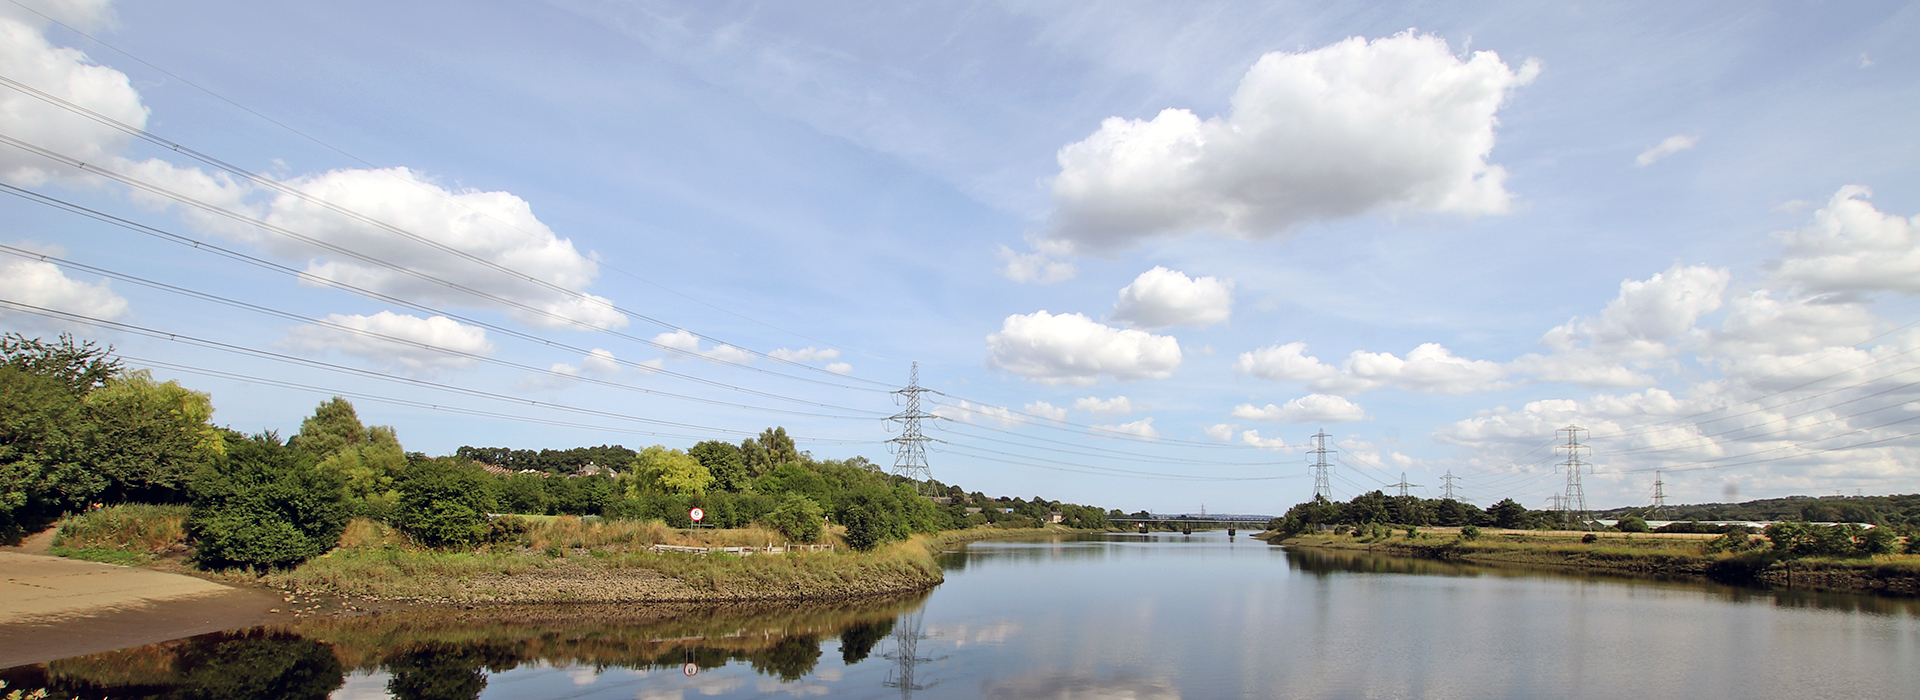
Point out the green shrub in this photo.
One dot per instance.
(798, 517)
(265, 507)
(443, 505)
(1589, 538)
(1913, 545)
(1632, 524)
(1469, 532)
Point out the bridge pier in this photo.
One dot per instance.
(1230, 531)
(1186, 528)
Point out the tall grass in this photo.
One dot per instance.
(123, 534)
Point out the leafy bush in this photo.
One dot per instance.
(798, 517)
(267, 507)
(1632, 524)
(1589, 538)
(1738, 538)
(1469, 532)
(443, 504)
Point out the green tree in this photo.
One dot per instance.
(151, 437)
(1508, 514)
(265, 506)
(371, 460)
(1632, 524)
(444, 503)
(797, 517)
(659, 469)
(77, 368)
(724, 462)
(45, 452)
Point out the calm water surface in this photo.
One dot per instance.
(1112, 616)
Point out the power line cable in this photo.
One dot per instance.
(406, 342)
(305, 277)
(516, 276)
(374, 168)
(316, 364)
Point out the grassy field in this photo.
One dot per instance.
(1640, 553)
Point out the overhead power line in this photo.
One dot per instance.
(372, 167)
(341, 369)
(270, 183)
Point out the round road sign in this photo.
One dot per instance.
(690, 669)
(696, 514)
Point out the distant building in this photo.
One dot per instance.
(1056, 516)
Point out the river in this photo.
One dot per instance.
(1146, 617)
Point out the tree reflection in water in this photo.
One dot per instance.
(449, 654)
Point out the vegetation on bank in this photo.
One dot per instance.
(81, 434)
(1789, 554)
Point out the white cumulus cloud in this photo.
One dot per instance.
(1034, 266)
(1220, 431)
(1312, 408)
(809, 354)
(1669, 146)
(1640, 322)
(969, 412)
(1116, 406)
(1252, 437)
(1162, 298)
(398, 342)
(1397, 123)
(1074, 349)
(1853, 247)
(495, 227)
(67, 74)
(1288, 362)
(1140, 428)
(1046, 410)
(43, 284)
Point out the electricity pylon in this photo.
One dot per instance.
(910, 448)
(1573, 504)
(1446, 492)
(1322, 488)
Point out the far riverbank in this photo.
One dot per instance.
(1655, 554)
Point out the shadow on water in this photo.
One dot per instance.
(1324, 563)
(447, 654)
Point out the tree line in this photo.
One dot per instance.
(77, 428)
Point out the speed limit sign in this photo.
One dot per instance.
(697, 514)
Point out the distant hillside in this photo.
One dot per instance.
(1897, 510)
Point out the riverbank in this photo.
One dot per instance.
(1669, 555)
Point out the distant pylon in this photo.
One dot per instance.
(910, 448)
(1403, 484)
(1659, 495)
(1573, 504)
(1446, 492)
(1322, 488)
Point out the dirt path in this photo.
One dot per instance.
(52, 608)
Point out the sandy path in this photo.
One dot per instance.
(52, 608)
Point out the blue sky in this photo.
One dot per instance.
(1141, 251)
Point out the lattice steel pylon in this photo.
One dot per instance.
(1573, 504)
(910, 447)
(1404, 485)
(1322, 487)
(1659, 495)
(1446, 492)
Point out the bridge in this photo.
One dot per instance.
(1233, 523)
